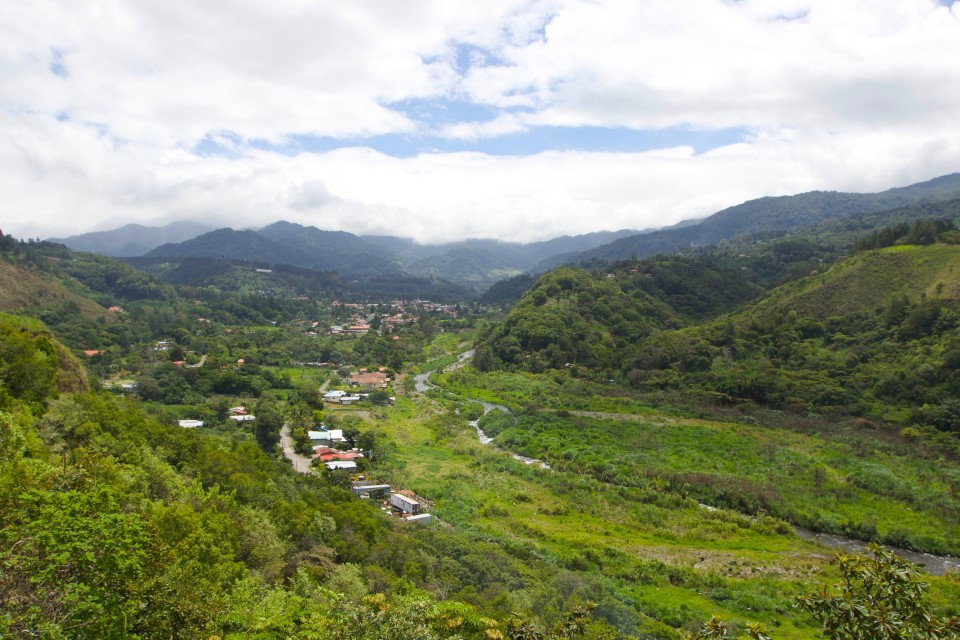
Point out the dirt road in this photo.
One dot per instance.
(300, 463)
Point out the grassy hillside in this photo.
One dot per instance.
(31, 291)
(34, 366)
(870, 280)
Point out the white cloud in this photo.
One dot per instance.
(503, 124)
(831, 94)
(709, 64)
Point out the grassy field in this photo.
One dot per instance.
(829, 475)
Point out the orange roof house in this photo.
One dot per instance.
(369, 379)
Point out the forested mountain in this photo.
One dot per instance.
(477, 264)
(873, 334)
(339, 251)
(772, 214)
(775, 256)
(473, 264)
(228, 244)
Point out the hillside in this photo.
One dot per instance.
(34, 366)
(569, 317)
(773, 214)
(870, 280)
(873, 335)
(572, 317)
(28, 289)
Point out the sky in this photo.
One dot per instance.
(440, 120)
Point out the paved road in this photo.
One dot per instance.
(300, 463)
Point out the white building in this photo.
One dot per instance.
(327, 438)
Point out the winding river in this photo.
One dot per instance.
(930, 563)
(422, 384)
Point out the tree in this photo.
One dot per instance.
(880, 598)
(379, 397)
(267, 426)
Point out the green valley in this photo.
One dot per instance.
(662, 440)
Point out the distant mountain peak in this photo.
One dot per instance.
(133, 239)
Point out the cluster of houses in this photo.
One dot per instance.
(359, 328)
(402, 503)
(370, 379)
(342, 397)
(402, 312)
(323, 443)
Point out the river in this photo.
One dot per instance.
(422, 384)
(932, 564)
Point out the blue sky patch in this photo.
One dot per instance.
(433, 113)
(534, 141)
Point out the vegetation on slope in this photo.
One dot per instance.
(873, 335)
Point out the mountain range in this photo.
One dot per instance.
(772, 214)
(133, 239)
(475, 264)
(478, 263)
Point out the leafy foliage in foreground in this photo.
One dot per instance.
(881, 598)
